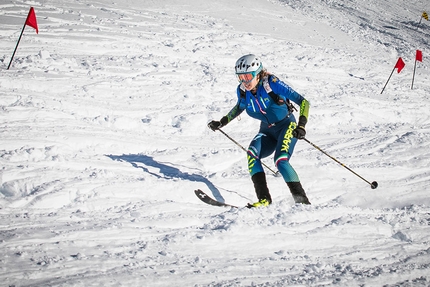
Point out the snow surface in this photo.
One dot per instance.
(103, 140)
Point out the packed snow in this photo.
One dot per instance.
(104, 138)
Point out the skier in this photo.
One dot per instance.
(266, 98)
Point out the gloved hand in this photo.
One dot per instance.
(214, 125)
(299, 132)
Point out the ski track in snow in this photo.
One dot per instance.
(103, 140)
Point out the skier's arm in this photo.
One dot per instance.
(232, 114)
(286, 91)
(304, 113)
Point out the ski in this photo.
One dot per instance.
(209, 200)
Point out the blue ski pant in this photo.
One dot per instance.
(278, 139)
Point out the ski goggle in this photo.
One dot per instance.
(246, 78)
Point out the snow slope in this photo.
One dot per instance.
(103, 140)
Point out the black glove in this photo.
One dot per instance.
(214, 125)
(299, 133)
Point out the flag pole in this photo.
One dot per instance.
(388, 80)
(16, 47)
(413, 75)
(419, 23)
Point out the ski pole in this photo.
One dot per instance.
(373, 185)
(230, 138)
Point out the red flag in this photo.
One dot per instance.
(399, 65)
(419, 56)
(31, 20)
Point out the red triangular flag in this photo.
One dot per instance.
(399, 65)
(31, 20)
(419, 56)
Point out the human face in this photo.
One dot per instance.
(249, 80)
(252, 84)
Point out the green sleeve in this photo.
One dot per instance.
(304, 113)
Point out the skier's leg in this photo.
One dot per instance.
(298, 192)
(283, 153)
(260, 147)
(260, 186)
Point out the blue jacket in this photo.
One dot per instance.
(268, 108)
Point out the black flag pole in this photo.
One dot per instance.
(399, 65)
(388, 80)
(16, 47)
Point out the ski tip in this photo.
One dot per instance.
(209, 200)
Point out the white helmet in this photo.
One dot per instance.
(248, 64)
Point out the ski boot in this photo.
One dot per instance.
(298, 192)
(261, 189)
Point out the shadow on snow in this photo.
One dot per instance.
(166, 171)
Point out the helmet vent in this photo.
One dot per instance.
(248, 63)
